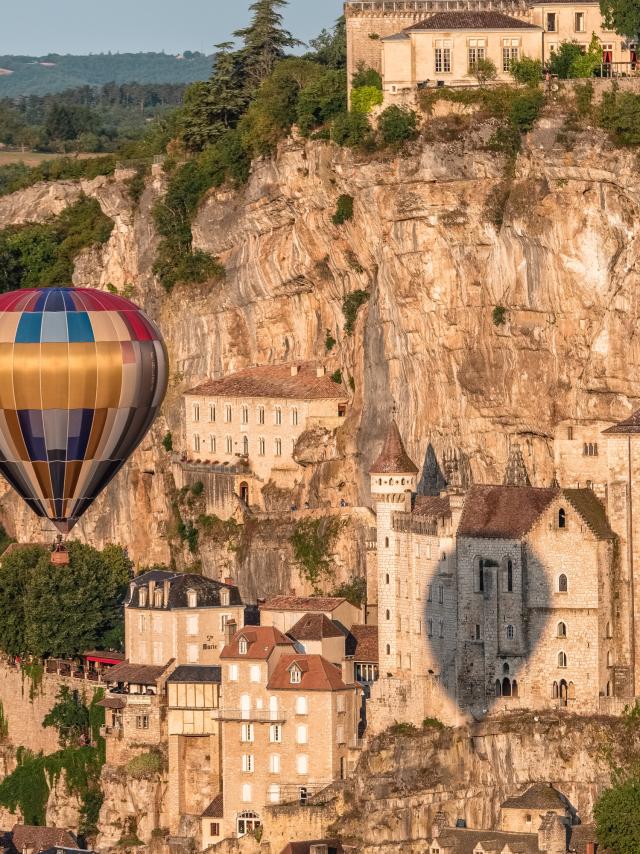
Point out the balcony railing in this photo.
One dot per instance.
(249, 716)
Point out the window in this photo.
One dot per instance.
(212, 443)
(551, 27)
(607, 631)
(228, 445)
(278, 415)
(479, 582)
(302, 707)
(562, 518)
(590, 449)
(386, 542)
(511, 633)
(245, 446)
(212, 413)
(388, 648)
(295, 675)
(247, 763)
(430, 628)
(192, 653)
(246, 793)
(254, 673)
(302, 735)
(579, 22)
(227, 413)
(429, 593)
(192, 626)
(441, 628)
(196, 412)
(224, 598)
(609, 659)
(142, 597)
(192, 599)
(275, 734)
(246, 733)
(509, 55)
(442, 61)
(340, 734)
(274, 763)
(441, 595)
(294, 416)
(562, 659)
(278, 447)
(386, 578)
(243, 646)
(476, 53)
(142, 623)
(233, 673)
(302, 763)
(142, 721)
(274, 793)
(245, 414)
(388, 614)
(563, 584)
(341, 703)
(261, 415)
(214, 828)
(569, 429)
(509, 576)
(261, 447)
(478, 634)
(196, 442)
(157, 597)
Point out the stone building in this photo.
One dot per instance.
(283, 612)
(247, 424)
(171, 615)
(512, 595)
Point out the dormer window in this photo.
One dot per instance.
(224, 598)
(296, 675)
(243, 646)
(142, 597)
(192, 599)
(157, 598)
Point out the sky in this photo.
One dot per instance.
(38, 27)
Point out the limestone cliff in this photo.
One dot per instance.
(424, 244)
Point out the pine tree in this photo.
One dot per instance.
(265, 41)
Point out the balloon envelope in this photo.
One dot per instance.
(82, 375)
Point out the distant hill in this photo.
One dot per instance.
(41, 75)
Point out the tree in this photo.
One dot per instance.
(585, 64)
(15, 575)
(351, 129)
(366, 77)
(526, 71)
(321, 99)
(330, 47)
(397, 124)
(617, 815)
(265, 41)
(70, 716)
(484, 70)
(619, 114)
(562, 59)
(623, 16)
(365, 98)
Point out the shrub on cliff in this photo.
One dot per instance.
(350, 307)
(619, 114)
(365, 98)
(351, 130)
(145, 765)
(397, 124)
(344, 210)
(18, 176)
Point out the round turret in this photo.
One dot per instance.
(393, 474)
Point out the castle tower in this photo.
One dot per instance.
(393, 481)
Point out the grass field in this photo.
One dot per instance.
(32, 158)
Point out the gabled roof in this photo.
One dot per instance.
(208, 589)
(302, 603)
(630, 425)
(503, 512)
(317, 674)
(539, 796)
(274, 381)
(362, 643)
(261, 641)
(196, 673)
(393, 458)
(40, 838)
(432, 506)
(471, 21)
(315, 627)
(592, 510)
(215, 808)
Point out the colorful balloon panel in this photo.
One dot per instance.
(82, 376)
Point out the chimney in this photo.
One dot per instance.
(294, 370)
(230, 582)
(230, 628)
(348, 671)
(166, 587)
(321, 371)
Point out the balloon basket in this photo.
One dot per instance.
(59, 553)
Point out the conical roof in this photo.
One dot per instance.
(393, 459)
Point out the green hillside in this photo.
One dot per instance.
(30, 75)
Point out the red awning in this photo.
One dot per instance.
(103, 659)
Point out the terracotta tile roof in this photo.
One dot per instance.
(471, 21)
(317, 674)
(37, 839)
(302, 603)
(629, 425)
(362, 643)
(315, 627)
(539, 796)
(138, 674)
(432, 506)
(465, 841)
(273, 381)
(261, 641)
(112, 703)
(503, 512)
(215, 808)
(589, 506)
(393, 459)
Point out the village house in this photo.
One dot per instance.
(247, 424)
(283, 612)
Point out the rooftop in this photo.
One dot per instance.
(180, 583)
(137, 674)
(466, 841)
(471, 21)
(316, 674)
(362, 643)
(630, 425)
(37, 839)
(261, 641)
(393, 459)
(302, 603)
(432, 506)
(274, 381)
(215, 808)
(196, 673)
(315, 627)
(539, 796)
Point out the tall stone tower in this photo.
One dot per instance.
(393, 480)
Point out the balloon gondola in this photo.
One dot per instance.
(82, 376)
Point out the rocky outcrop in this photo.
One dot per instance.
(132, 808)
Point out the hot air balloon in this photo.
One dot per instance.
(82, 375)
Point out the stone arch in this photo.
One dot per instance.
(498, 688)
(514, 688)
(561, 631)
(563, 583)
(506, 687)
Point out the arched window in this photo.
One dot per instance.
(608, 689)
(388, 649)
(511, 633)
(245, 414)
(245, 445)
(506, 687)
(386, 542)
(196, 442)
(261, 446)
(388, 614)
(278, 414)
(509, 576)
(278, 447)
(562, 518)
(212, 444)
(563, 584)
(609, 659)
(505, 667)
(196, 412)
(514, 688)
(212, 412)
(571, 692)
(386, 578)
(608, 633)
(562, 659)
(294, 416)
(498, 688)
(562, 630)
(247, 822)
(563, 692)
(261, 415)
(554, 691)
(228, 445)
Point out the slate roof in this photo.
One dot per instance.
(393, 458)
(302, 603)
(261, 641)
(432, 506)
(589, 506)
(215, 808)
(207, 589)
(464, 841)
(315, 627)
(138, 674)
(273, 381)
(38, 839)
(196, 673)
(318, 674)
(629, 425)
(362, 643)
(539, 796)
(471, 21)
